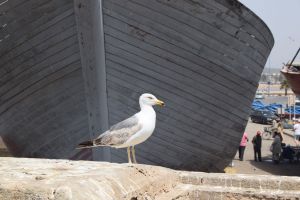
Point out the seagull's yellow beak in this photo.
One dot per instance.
(160, 103)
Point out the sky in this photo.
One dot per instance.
(283, 19)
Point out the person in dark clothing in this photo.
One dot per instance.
(256, 141)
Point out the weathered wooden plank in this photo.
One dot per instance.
(170, 77)
(57, 23)
(190, 29)
(49, 123)
(143, 53)
(30, 85)
(178, 85)
(19, 67)
(245, 17)
(194, 103)
(164, 37)
(71, 126)
(35, 55)
(7, 5)
(38, 85)
(60, 109)
(179, 61)
(42, 36)
(20, 11)
(31, 113)
(30, 80)
(208, 25)
(174, 53)
(218, 17)
(31, 8)
(192, 78)
(188, 43)
(48, 66)
(20, 24)
(66, 148)
(232, 13)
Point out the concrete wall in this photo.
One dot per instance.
(64, 180)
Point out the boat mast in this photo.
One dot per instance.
(289, 65)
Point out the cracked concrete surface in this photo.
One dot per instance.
(25, 178)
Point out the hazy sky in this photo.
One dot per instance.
(283, 19)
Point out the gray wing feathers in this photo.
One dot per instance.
(119, 133)
(127, 123)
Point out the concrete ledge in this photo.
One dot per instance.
(261, 182)
(209, 192)
(23, 178)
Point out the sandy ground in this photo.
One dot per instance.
(249, 166)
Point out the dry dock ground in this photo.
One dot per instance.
(249, 166)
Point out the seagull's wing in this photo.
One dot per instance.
(119, 133)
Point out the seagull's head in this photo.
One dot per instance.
(150, 99)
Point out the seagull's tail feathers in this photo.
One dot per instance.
(86, 144)
(91, 143)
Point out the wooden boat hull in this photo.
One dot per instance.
(293, 79)
(69, 70)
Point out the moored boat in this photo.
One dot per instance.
(291, 72)
(70, 69)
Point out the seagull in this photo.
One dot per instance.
(130, 132)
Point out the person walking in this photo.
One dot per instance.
(242, 146)
(256, 141)
(276, 148)
(274, 126)
(280, 130)
(296, 128)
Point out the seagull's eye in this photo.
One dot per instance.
(150, 98)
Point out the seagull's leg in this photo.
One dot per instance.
(133, 155)
(128, 153)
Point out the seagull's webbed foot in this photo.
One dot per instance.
(133, 155)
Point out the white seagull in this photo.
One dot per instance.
(132, 131)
